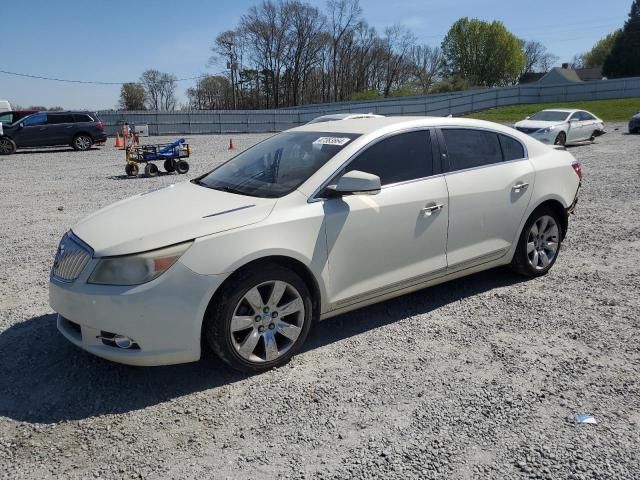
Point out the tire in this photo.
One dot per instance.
(131, 169)
(7, 146)
(182, 167)
(82, 142)
(170, 165)
(561, 139)
(255, 328)
(531, 258)
(151, 170)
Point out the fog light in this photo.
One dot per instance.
(122, 341)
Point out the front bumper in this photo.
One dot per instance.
(164, 316)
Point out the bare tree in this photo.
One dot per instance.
(343, 16)
(210, 93)
(537, 57)
(427, 66)
(159, 90)
(131, 97)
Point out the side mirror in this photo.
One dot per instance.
(356, 182)
(527, 118)
(21, 125)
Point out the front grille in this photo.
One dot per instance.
(527, 130)
(71, 258)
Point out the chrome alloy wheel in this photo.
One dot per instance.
(82, 142)
(267, 321)
(542, 242)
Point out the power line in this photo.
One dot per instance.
(90, 82)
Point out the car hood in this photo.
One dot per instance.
(166, 216)
(539, 124)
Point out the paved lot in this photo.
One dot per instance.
(477, 378)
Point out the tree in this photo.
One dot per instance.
(159, 90)
(131, 97)
(536, 57)
(485, 53)
(624, 58)
(210, 93)
(343, 16)
(427, 66)
(601, 50)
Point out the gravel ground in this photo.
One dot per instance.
(477, 378)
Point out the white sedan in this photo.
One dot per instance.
(562, 127)
(311, 223)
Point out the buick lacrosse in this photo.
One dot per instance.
(308, 224)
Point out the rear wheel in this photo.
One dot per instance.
(82, 142)
(561, 139)
(539, 244)
(170, 165)
(260, 319)
(7, 146)
(182, 166)
(131, 169)
(151, 170)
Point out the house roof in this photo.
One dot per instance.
(559, 75)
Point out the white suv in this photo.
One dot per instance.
(311, 223)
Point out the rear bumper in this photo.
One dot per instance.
(100, 138)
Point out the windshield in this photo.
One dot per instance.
(278, 165)
(550, 116)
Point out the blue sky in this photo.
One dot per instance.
(117, 40)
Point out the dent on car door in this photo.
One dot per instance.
(490, 182)
(383, 242)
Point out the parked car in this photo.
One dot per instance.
(634, 123)
(47, 129)
(13, 116)
(342, 116)
(308, 224)
(562, 127)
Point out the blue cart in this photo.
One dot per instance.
(173, 155)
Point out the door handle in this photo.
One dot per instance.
(429, 209)
(520, 187)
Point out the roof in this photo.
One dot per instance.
(563, 110)
(559, 75)
(589, 74)
(370, 125)
(530, 77)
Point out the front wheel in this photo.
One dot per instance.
(151, 170)
(7, 146)
(539, 244)
(260, 319)
(82, 142)
(561, 139)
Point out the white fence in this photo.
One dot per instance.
(458, 103)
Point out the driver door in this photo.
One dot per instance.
(397, 238)
(33, 131)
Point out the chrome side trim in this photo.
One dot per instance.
(228, 211)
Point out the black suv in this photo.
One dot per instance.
(47, 129)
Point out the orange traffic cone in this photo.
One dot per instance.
(119, 143)
(231, 144)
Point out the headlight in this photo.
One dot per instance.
(138, 268)
(547, 130)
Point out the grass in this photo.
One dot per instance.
(620, 110)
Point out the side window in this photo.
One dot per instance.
(467, 148)
(406, 156)
(511, 148)
(55, 118)
(36, 119)
(6, 117)
(575, 116)
(586, 116)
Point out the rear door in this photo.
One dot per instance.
(32, 131)
(490, 181)
(60, 128)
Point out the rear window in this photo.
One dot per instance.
(82, 117)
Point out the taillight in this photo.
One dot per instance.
(100, 125)
(578, 169)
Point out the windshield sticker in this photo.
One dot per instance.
(339, 141)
